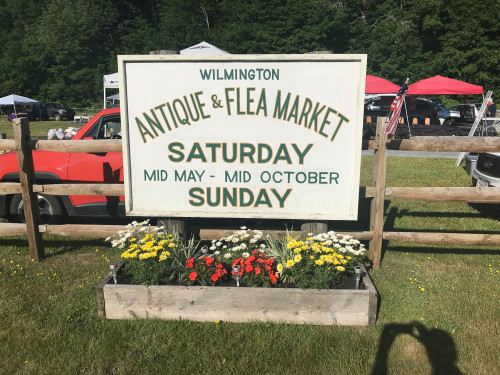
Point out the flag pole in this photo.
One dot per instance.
(406, 110)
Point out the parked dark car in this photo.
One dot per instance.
(417, 108)
(57, 111)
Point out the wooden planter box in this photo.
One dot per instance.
(233, 304)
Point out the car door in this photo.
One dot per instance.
(103, 167)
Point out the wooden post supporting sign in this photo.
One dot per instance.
(377, 205)
(27, 178)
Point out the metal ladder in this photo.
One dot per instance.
(476, 123)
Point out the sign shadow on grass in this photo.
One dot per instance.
(439, 345)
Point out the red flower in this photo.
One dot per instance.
(193, 276)
(267, 267)
(249, 268)
(209, 261)
(273, 278)
(219, 272)
(190, 263)
(258, 270)
(215, 277)
(255, 251)
(250, 259)
(260, 260)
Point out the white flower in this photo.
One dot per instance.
(216, 252)
(262, 246)
(245, 255)
(236, 248)
(243, 227)
(224, 247)
(212, 248)
(236, 239)
(243, 246)
(218, 243)
(253, 240)
(227, 255)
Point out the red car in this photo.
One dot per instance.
(62, 167)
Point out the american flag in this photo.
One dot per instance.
(395, 108)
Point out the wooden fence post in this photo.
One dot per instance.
(27, 178)
(314, 227)
(377, 205)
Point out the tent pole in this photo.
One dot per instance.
(407, 120)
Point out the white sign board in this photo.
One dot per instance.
(250, 136)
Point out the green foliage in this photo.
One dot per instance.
(58, 50)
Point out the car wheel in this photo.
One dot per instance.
(51, 209)
(57, 117)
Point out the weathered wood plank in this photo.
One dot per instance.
(444, 238)
(377, 203)
(442, 144)
(84, 230)
(17, 229)
(7, 144)
(232, 304)
(211, 234)
(84, 189)
(87, 145)
(26, 179)
(447, 144)
(446, 194)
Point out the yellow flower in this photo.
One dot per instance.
(171, 244)
(340, 268)
(290, 263)
(297, 258)
(319, 262)
(279, 267)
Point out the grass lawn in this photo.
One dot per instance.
(38, 128)
(439, 307)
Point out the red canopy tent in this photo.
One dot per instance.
(376, 85)
(439, 85)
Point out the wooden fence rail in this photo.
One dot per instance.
(375, 235)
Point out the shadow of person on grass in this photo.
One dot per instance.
(439, 345)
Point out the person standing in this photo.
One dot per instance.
(491, 111)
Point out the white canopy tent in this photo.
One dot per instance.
(16, 99)
(203, 48)
(111, 81)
